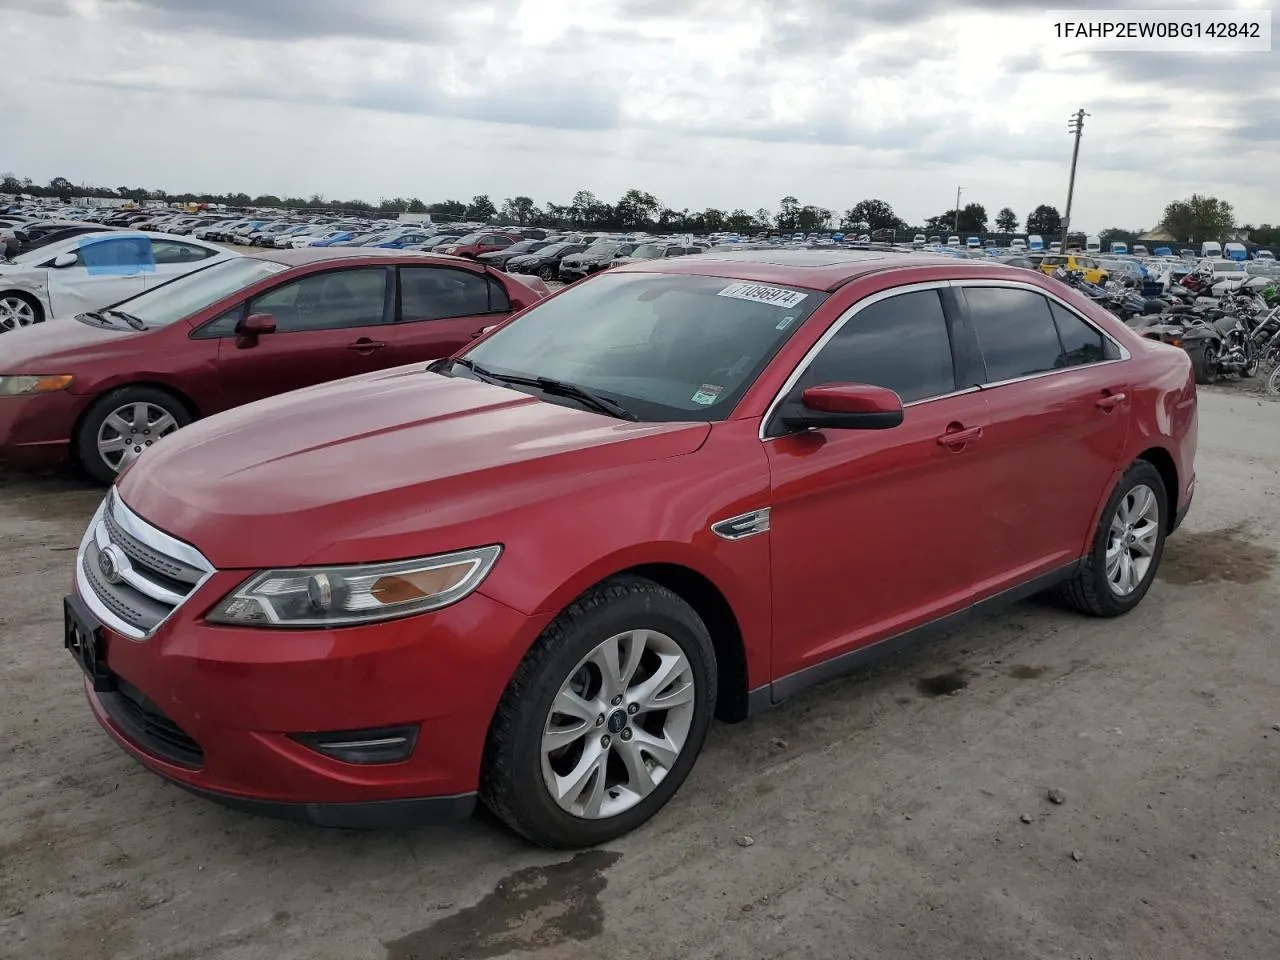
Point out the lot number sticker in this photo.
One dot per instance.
(760, 293)
(707, 394)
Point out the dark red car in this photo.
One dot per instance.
(104, 386)
(474, 244)
(681, 489)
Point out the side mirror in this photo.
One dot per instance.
(253, 326)
(65, 260)
(845, 406)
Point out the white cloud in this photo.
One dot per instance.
(725, 103)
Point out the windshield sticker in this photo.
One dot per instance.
(707, 394)
(760, 293)
(784, 323)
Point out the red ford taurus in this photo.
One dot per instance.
(533, 573)
(104, 386)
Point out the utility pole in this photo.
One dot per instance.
(1074, 125)
(955, 227)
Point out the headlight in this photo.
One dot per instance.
(341, 596)
(22, 386)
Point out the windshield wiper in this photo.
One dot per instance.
(128, 318)
(94, 315)
(588, 398)
(480, 372)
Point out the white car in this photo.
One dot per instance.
(93, 271)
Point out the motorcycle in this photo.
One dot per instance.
(1217, 343)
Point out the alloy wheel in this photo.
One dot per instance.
(131, 429)
(16, 312)
(618, 724)
(1132, 539)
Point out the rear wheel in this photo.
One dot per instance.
(1206, 365)
(122, 425)
(604, 717)
(1127, 547)
(1273, 382)
(19, 310)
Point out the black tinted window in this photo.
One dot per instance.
(900, 343)
(175, 251)
(1081, 343)
(1015, 331)
(326, 301)
(434, 293)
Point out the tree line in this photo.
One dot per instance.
(1195, 218)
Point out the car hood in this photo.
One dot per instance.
(63, 346)
(388, 465)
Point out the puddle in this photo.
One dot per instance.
(1020, 671)
(531, 909)
(1218, 555)
(942, 684)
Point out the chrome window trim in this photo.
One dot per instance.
(837, 325)
(807, 360)
(154, 538)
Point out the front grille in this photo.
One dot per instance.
(133, 575)
(139, 719)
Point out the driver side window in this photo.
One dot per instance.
(901, 343)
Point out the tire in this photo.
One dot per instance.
(515, 771)
(546, 274)
(1273, 382)
(1091, 590)
(164, 413)
(1250, 370)
(19, 310)
(1206, 364)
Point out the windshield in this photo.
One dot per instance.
(600, 249)
(469, 238)
(554, 248)
(666, 347)
(524, 246)
(647, 251)
(180, 298)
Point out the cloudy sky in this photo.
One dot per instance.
(724, 103)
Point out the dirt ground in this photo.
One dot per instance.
(896, 815)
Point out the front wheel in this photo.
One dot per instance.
(19, 310)
(1273, 382)
(546, 274)
(1250, 369)
(1127, 546)
(124, 424)
(603, 719)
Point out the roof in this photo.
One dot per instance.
(821, 269)
(305, 255)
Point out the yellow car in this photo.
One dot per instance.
(1092, 270)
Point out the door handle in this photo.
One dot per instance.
(365, 345)
(958, 436)
(1110, 402)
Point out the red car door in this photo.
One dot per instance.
(1059, 407)
(441, 310)
(329, 325)
(872, 531)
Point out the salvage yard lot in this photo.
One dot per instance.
(880, 816)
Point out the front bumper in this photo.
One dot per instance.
(221, 703)
(35, 431)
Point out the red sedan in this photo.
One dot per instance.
(103, 387)
(686, 488)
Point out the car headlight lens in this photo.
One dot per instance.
(22, 386)
(342, 596)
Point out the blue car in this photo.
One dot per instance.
(337, 238)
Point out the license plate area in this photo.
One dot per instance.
(82, 636)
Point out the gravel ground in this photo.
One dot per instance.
(898, 814)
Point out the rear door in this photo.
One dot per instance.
(441, 310)
(107, 270)
(173, 258)
(1059, 405)
(329, 325)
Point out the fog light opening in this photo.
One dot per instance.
(369, 746)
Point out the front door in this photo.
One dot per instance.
(872, 532)
(1059, 408)
(107, 270)
(329, 325)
